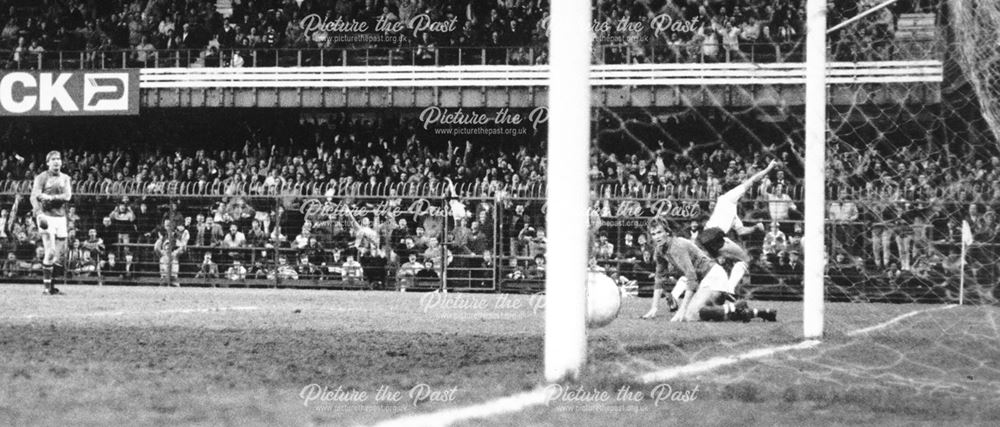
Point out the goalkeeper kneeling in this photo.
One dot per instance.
(703, 290)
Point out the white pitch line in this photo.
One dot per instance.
(124, 313)
(895, 320)
(716, 362)
(447, 417)
(539, 396)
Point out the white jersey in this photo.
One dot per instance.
(724, 216)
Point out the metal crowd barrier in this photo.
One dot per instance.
(494, 248)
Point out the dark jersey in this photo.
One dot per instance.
(686, 257)
(54, 185)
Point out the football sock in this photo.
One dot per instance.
(715, 314)
(47, 276)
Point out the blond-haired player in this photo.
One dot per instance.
(51, 191)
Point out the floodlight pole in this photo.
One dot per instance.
(568, 188)
(815, 168)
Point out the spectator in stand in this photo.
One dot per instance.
(72, 219)
(235, 239)
(428, 272)
(399, 235)
(461, 233)
(35, 265)
(203, 231)
(277, 239)
(409, 269)
(144, 53)
(314, 251)
(603, 249)
(629, 251)
(353, 271)
(108, 232)
(79, 260)
(524, 238)
(208, 268)
(285, 271)
(780, 203)
(169, 247)
(94, 245)
(536, 271)
(237, 272)
(306, 269)
(11, 266)
(6, 220)
(437, 254)
(145, 222)
(257, 236)
(538, 244)
(334, 266)
(262, 267)
(123, 221)
(842, 213)
(365, 237)
(420, 240)
(775, 240)
(520, 222)
(302, 240)
(240, 212)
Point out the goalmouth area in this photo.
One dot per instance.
(155, 355)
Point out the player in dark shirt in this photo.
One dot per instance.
(706, 281)
(49, 195)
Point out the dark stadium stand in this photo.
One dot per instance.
(160, 33)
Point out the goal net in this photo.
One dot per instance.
(975, 25)
(909, 159)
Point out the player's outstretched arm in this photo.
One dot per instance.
(760, 175)
(655, 306)
(738, 192)
(659, 282)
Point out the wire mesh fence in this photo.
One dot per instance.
(485, 239)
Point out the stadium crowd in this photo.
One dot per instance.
(894, 210)
(230, 32)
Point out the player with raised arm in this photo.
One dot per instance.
(713, 238)
(51, 191)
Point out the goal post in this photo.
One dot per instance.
(568, 190)
(813, 240)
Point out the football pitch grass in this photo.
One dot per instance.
(145, 355)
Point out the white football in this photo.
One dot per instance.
(603, 300)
